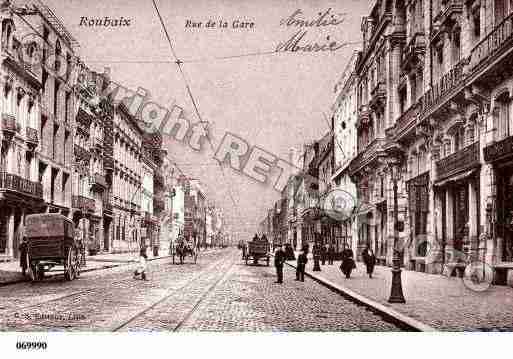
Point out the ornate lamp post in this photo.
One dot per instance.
(396, 292)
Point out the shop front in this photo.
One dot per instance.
(500, 156)
(418, 209)
(458, 190)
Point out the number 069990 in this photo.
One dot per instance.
(31, 345)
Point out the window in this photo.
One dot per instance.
(476, 24)
(459, 138)
(413, 84)
(456, 46)
(501, 115)
(28, 165)
(439, 54)
(447, 147)
(67, 107)
(501, 10)
(56, 99)
(58, 52)
(402, 100)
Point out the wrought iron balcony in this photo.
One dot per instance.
(98, 182)
(493, 45)
(83, 204)
(32, 137)
(9, 125)
(81, 154)
(369, 154)
(464, 159)
(499, 150)
(12, 182)
(406, 121)
(444, 88)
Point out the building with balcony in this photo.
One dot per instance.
(447, 119)
(130, 181)
(90, 179)
(57, 50)
(380, 98)
(194, 211)
(345, 114)
(21, 191)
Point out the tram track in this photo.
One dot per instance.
(204, 273)
(202, 298)
(66, 302)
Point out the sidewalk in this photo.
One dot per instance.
(439, 302)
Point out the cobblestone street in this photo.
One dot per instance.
(219, 293)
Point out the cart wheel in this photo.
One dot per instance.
(32, 270)
(69, 273)
(77, 264)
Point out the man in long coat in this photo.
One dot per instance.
(348, 263)
(279, 259)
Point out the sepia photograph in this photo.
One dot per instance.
(267, 167)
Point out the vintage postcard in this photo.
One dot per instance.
(255, 166)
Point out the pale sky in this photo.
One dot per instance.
(275, 101)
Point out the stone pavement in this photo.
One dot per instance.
(219, 293)
(441, 302)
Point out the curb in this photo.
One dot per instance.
(86, 270)
(397, 317)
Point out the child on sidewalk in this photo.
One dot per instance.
(141, 269)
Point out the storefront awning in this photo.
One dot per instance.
(455, 178)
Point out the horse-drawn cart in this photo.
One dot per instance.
(256, 250)
(51, 243)
(182, 248)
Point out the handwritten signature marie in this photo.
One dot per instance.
(298, 42)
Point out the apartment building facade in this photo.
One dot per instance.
(127, 180)
(21, 192)
(434, 98)
(344, 197)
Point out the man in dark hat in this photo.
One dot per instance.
(279, 259)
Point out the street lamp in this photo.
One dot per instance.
(396, 292)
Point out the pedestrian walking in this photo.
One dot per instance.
(141, 268)
(331, 254)
(369, 259)
(348, 263)
(23, 247)
(324, 253)
(301, 265)
(279, 259)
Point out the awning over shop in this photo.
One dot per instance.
(456, 178)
